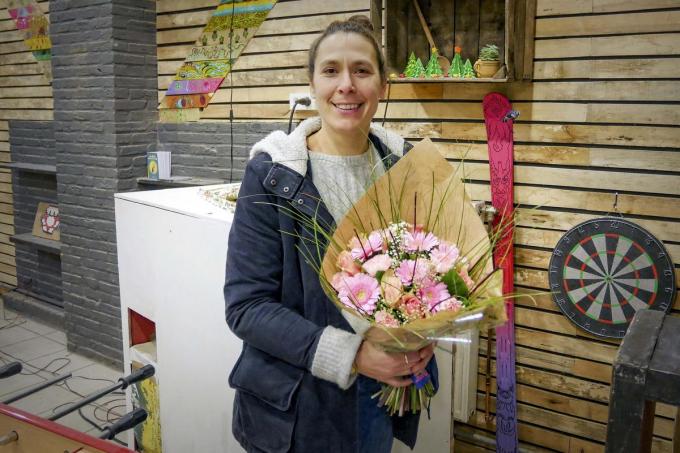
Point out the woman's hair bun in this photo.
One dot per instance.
(362, 20)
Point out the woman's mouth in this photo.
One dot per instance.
(347, 107)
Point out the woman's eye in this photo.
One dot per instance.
(328, 71)
(362, 71)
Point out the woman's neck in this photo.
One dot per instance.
(329, 142)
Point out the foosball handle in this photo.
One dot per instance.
(126, 422)
(10, 369)
(144, 372)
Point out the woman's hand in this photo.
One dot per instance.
(391, 368)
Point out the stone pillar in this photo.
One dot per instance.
(105, 98)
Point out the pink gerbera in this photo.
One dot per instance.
(413, 271)
(434, 293)
(450, 304)
(444, 257)
(360, 292)
(419, 241)
(367, 247)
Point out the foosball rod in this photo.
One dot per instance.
(139, 375)
(35, 388)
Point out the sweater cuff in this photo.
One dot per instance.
(335, 355)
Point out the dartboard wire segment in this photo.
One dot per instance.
(605, 270)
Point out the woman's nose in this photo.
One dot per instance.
(346, 84)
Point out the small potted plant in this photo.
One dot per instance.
(489, 62)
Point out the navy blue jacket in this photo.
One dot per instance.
(275, 304)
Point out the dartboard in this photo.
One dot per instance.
(604, 270)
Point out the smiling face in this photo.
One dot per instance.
(347, 83)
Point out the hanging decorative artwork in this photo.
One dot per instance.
(46, 223)
(226, 34)
(35, 27)
(604, 270)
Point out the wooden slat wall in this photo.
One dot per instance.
(601, 116)
(25, 94)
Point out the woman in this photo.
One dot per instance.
(305, 377)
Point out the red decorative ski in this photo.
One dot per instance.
(498, 117)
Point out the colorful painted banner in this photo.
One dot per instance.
(226, 34)
(203, 53)
(179, 115)
(194, 86)
(187, 101)
(29, 19)
(194, 70)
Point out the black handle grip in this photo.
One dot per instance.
(124, 423)
(10, 369)
(144, 372)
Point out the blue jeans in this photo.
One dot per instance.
(375, 426)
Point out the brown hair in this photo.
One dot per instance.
(358, 24)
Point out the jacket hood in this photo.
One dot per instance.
(291, 149)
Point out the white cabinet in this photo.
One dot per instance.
(172, 248)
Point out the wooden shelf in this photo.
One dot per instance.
(32, 168)
(447, 80)
(190, 182)
(43, 244)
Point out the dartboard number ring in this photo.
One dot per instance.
(604, 270)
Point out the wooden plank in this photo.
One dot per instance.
(609, 46)
(548, 419)
(299, 8)
(644, 22)
(7, 249)
(18, 58)
(307, 24)
(624, 158)
(26, 103)
(23, 81)
(574, 372)
(643, 68)
(441, 20)
(584, 179)
(396, 36)
(665, 230)
(10, 280)
(26, 92)
(633, 136)
(596, 90)
(37, 115)
(19, 70)
(466, 28)
(537, 435)
(528, 44)
(492, 26)
(558, 7)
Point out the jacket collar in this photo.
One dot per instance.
(291, 150)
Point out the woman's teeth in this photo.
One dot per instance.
(347, 106)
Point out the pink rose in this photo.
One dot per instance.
(451, 304)
(347, 264)
(378, 263)
(412, 306)
(338, 280)
(386, 319)
(392, 289)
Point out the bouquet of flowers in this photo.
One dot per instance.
(413, 259)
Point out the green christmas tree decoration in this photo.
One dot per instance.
(456, 69)
(411, 66)
(433, 68)
(468, 72)
(420, 69)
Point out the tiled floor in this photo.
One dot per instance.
(42, 351)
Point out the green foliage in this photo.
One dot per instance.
(468, 72)
(420, 69)
(489, 53)
(411, 66)
(456, 69)
(433, 68)
(455, 284)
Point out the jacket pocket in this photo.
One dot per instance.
(265, 408)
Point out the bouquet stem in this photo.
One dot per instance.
(413, 398)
